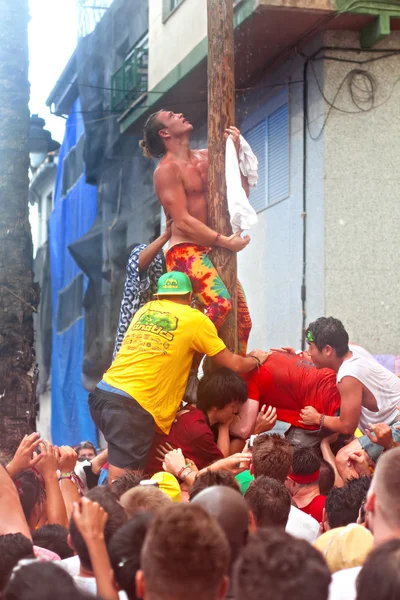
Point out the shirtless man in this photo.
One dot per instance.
(181, 182)
(370, 394)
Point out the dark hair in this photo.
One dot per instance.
(43, 580)
(125, 548)
(184, 546)
(127, 481)
(55, 538)
(329, 331)
(152, 143)
(269, 501)
(305, 461)
(326, 477)
(85, 446)
(380, 575)
(272, 456)
(209, 479)
(31, 491)
(276, 566)
(116, 518)
(13, 547)
(220, 388)
(343, 504)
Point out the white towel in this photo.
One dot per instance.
(242, 214)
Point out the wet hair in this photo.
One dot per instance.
(116, 518)
(209, 479)
(343, 504)
(326, 477)
(220, 388)
(125, 548)
(13, 547)
(272, 456)
(305, 461)
(127, 481)
(55, 538)
(152, 143)
(31, 491)
(329, 331)
(276, 566)
(85, 446)
(184, 547)
(143, 499)
(380, 575)
(269, 501)
(44, 581)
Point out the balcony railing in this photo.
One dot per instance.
(130, 81)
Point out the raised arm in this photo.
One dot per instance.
(171, 193)
(240, 364)
(13, 518)
(149, 253)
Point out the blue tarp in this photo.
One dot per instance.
(72, 217)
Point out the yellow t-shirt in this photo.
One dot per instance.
(155, 358)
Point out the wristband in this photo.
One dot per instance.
(182, 471)
(67, 474)
(185, 475)
(321, 422)
(216, 239)
(258, 361)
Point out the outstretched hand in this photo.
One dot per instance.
(236, 242)
(380, 434)
(26, 456)
(90, 519)
(234, 134)
(266, 419)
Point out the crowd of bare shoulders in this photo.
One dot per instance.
(210, 534)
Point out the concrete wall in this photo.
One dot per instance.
(362, 209)
(171, 41)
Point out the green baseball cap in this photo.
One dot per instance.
(174, 284)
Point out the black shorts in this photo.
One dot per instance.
(127, 427)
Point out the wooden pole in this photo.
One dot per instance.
(221, 114)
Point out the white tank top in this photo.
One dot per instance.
(382, 383)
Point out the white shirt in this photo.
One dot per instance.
(301, 525)
(87, 584)
(382, 383)
(343, 584)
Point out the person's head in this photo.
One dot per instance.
(232, 513)
(220, 395)
(32, 495)
(55, 538)
(143, 499)
(380, 576)
(305, 469)
(127, 481)
(272, 457)
(383, 506)
(44, 580)
(328, 342)
(269, 502)
(209, 479)
(85, 451)
(276, 566)
(185, 553)
(161, 130)
(326, 477)
(116, 518)
(343, 504)
(174, 286)
(345, 547)
(13, 548)
(125, 548)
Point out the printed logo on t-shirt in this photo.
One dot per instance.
(157, 322)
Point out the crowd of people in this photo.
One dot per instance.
(195, 493)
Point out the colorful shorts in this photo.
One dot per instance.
(208, 288)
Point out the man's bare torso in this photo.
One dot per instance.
(194, 178)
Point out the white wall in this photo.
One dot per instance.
(362, 208)
(171, 41)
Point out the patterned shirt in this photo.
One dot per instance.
(139, 289)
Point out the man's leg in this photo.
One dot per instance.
(127, 428)
(244, 320)
(208, 288)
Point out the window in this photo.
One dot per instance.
(168, 7)
(130, 81)
(269, 140)
(73, 166)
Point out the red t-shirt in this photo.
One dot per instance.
(289, 383)
(315, 508)
(190, 432)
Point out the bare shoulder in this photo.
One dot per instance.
(349, 383)
(168, 170)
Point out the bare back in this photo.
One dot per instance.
(181, 186)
